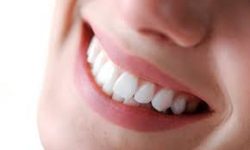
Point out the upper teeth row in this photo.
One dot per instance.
(128, 88)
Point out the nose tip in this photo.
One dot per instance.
(185, 22)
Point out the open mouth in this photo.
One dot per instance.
(130, 100)
(129, 89)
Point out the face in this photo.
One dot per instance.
(148, 74)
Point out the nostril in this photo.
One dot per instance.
(155, 35)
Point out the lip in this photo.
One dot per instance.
(130, 117)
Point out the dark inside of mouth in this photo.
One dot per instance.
(88, 32)
(202, 107)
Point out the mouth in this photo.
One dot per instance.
(131, 93)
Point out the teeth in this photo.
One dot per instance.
(125, 86)
(93, 50)
(145, 93)
(100, 60)
(179, 104)
(131, 101)
(117, 97)
(107, 77)
(162, 100)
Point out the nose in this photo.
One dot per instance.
(185, 22)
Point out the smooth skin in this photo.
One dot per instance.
(203, 43)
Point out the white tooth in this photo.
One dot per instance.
(131, 102)
(192, 106)
(107, 73)
(179, 104)
(100, 60)
(145, 93)
(125, 86)
(117, 97)
(93, 50)
(107, 77)
(162, 100)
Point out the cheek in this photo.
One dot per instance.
(64, 120)
(232, 66)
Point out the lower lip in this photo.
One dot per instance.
(131, 117)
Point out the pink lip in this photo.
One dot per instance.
(130, 117)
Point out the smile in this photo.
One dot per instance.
(129, 99)
(130, 89)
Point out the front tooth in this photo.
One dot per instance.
(145, 93)
(100, 60)
(93, 50)
(162, 100)
(131, 102)
(125, 86)
(179, 104)
(107, 77)
(106, 73)
(117, 97)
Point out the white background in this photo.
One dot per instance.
(24, 36)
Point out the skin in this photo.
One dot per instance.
(202, 43)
